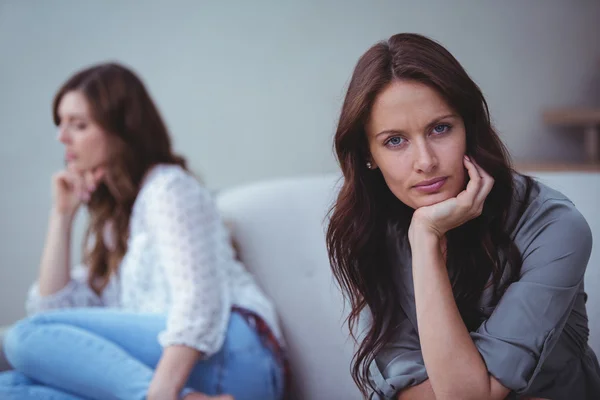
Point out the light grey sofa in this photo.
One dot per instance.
(3, 363)
(279, 227)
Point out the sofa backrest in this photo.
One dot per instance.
(583, 189)
(279, 229)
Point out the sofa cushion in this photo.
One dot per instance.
(4, 365)
(279, 227)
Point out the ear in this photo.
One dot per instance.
(371, 163)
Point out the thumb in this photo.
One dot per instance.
(93, 178)
(98, 174)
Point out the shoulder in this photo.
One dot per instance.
(550, 221)
(170, 180)
(545, 207)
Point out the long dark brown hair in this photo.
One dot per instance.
(138, 140)
(367, 219)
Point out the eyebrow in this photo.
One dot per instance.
(428, 127)
(73, 116)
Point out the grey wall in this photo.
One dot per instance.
(251, 89)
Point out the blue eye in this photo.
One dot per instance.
(394, 141)
(441, 128)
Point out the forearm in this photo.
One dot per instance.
(422, 391)
(174, 368)
(55, 262)
(454, 365)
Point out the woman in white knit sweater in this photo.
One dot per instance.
(161, 309)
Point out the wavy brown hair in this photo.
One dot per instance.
(367, 221)
(138, 139)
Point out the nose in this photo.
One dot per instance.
(63, 135)
(425, 160)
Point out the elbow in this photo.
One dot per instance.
(467, 395)
(462, 395)
(475, 384)
(468, 391)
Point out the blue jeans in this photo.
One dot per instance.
(99, 353)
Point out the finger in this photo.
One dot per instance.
(87, 187)
(486, 187)
(98, 174)
(85, 196)
(64, 180)
(80, 190)
(71, 178)
(78, 184)
(90, 181)
(473, 187)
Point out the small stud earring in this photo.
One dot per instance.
(369, 165)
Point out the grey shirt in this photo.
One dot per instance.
(535, 339)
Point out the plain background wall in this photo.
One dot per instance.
(251, 89)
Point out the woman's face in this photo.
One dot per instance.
(86, 144)
(418, 142)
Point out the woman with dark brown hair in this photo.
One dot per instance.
(469, 275)
(161, 309)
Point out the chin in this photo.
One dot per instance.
(431, 199)
(75, 164)
(80, 166)
(71, 163)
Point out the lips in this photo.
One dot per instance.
(432, 185)
(430, 181)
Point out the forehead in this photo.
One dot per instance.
(73, 104)
(403, 105)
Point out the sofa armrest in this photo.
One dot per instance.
(4, 365)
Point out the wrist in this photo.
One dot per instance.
(161, 390)
(175, 365)
(61, 216)
(421, 233)
(168, 382)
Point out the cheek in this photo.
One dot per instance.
(453, 164)
(450, 152)
(460, 181)
(103, 146)
(95, 146)
(99, 139)
(396, 171)
(454, 161)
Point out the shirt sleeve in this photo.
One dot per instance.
(77, 293)
(184, 225)
(514, 341)
(399, 364)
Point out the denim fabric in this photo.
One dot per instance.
(103, 353)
